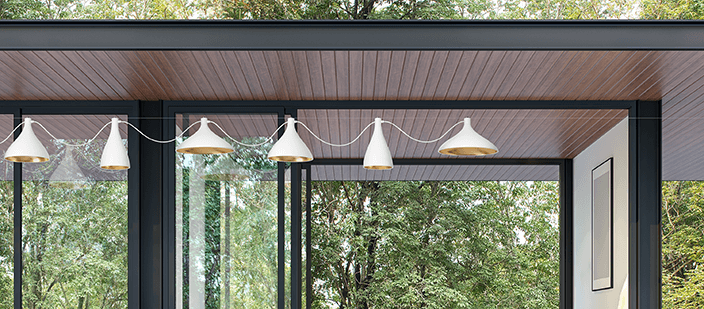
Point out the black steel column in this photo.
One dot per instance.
(309, 272)
(150, 210)
(645, 189)
(296, 242)
(566, 235)
(17, 182)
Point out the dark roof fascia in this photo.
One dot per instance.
(351, 35)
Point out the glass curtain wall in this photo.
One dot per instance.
(74, 220)
(405, 242)
(7, 222)
(227, 219)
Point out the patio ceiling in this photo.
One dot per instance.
(474, 61)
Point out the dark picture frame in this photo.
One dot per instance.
(602, 186)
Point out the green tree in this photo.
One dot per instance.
(435, 245)
(683, 244)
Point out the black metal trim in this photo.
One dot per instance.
(351, 35)
(17, 233)
(296, 236)
(567, 234)
(644, 213)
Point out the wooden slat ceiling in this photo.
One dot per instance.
(675, 77)
(438, 172)
(517, 133)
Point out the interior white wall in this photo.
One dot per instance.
(613, 144)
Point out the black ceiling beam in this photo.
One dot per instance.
(351, 35)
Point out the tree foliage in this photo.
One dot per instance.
(683, 244)
(435, 245)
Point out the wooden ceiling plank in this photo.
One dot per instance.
(342, 74)
(447, 74)
(24, 69)
(490, 69)
(682, 76)
(403, 146)
(503, 72)
(290, 74)
(305, 83)
(280, 88)
(125, 76)
(244, 62)
(473, 74)
(597, 129)
(515, 72)
(316, 74)
(597, 83)
(651, 88)
(570, 74)
(15, 85)
(179, 86)
(617, 73)
(216, 63)
(355, 127)
(562, 126)
(531, 68)
(461, 74)
(91, 81)
(554, 74)
(263, 72)
(58, 75)
(523, 121)
(368, 74)
(685, 101)
(396, 67)
(640, 72)
(153, 74)
(579, 73)
(396, 143)
(503, 126)
(210, 92)
(582, 126)
(327, 62)
(381, 76)
(524, 90)
(337, 131)
(421, 74)
(600, 62)
(408, 74)
(356, 64)
(437, 66)
(180, 70)
(535, 139)
(135, 71)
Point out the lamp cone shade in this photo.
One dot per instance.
(378, 155)
(467, 143)
(204, 141)
(290, 147)
(68, 175)
(27, 148)
(114, 155)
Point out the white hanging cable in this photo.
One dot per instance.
(422, 141)
(10, 135)
(243, 144)
(336, 145)
(72, 145)
(156, 140)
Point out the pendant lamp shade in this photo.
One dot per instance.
(27, 148)
(114, 153)
(290, 147)
(204, 141)
(468, 143)
(378, 155)
(68, 175)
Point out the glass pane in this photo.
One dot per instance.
(74, 220)
(227, 219)
(7, 213)
(434, 244)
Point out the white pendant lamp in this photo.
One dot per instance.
(378, 155)
(68, 175)
(290, 147)
(114, 154)
(27, 148)
(468, 143)
(204, 141)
